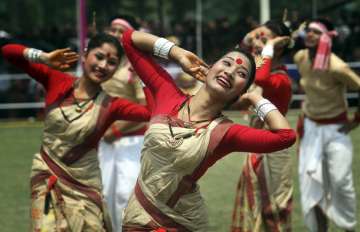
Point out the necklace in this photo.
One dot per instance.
(176, 140)
(79, 107)
(191, 122)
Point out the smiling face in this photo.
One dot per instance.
(258, 39)
(100, 63)
(229, 76)
(117, 30)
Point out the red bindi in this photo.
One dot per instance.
(239, 61)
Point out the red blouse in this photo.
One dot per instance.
(57, 84)
(276, 85)
(167, 97)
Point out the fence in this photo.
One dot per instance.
(21, 93)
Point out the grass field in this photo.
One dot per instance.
(20, 140)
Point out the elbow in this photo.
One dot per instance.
(5, 50)
(287, 139)
(9, 50)
(290, 138)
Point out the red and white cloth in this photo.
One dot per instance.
(323, 52)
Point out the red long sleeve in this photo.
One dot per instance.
(123, 109)
(241, 138)
(262, 74)
(166, 94)
(54, 82)
(276, 85)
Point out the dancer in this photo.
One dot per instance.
(264, 192)
(119, 151)
(65, 176)
(325, 152)
(188, 134)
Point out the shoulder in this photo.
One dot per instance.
(337, 64)
(300, 55)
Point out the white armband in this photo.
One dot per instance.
(268, 50)
(263, 107)
(162, 47)
(33, 55)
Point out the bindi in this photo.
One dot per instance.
(239, 61)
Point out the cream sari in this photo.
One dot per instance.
(166, 194)
(65, 175)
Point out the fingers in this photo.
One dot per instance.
(200, 77)
(199, 72)
(202, 63)
(71, 54)
(68, 53)
(63, 50)
(71, 61)
(64, 67)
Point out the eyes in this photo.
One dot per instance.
(116, 30)
(317, 32)
(241, 73)
(111, 61)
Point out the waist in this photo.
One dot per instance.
(341, 118)
(140, 131)
(66, 179)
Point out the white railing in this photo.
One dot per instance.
(6, 78)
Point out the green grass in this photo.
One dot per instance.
(20, 140)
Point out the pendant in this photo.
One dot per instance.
(188, 124)
(174, 142)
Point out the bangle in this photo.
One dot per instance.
(33, 55)
(263, 107)
(116, 132)
(162, 47)
(268, 50)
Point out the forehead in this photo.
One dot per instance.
(239, 58)
(116, 26)
(314, 29)
(106, 48)
(263, 30)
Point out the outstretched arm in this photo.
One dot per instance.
(32, 62)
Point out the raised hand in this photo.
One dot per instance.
(60, 58)
(279, 41)
(190, 63)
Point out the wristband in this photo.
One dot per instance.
(162, 47)
(268, 50)
(33, 55)
(263, 107)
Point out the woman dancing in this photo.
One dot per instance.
(188, 134)
(65, 175)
